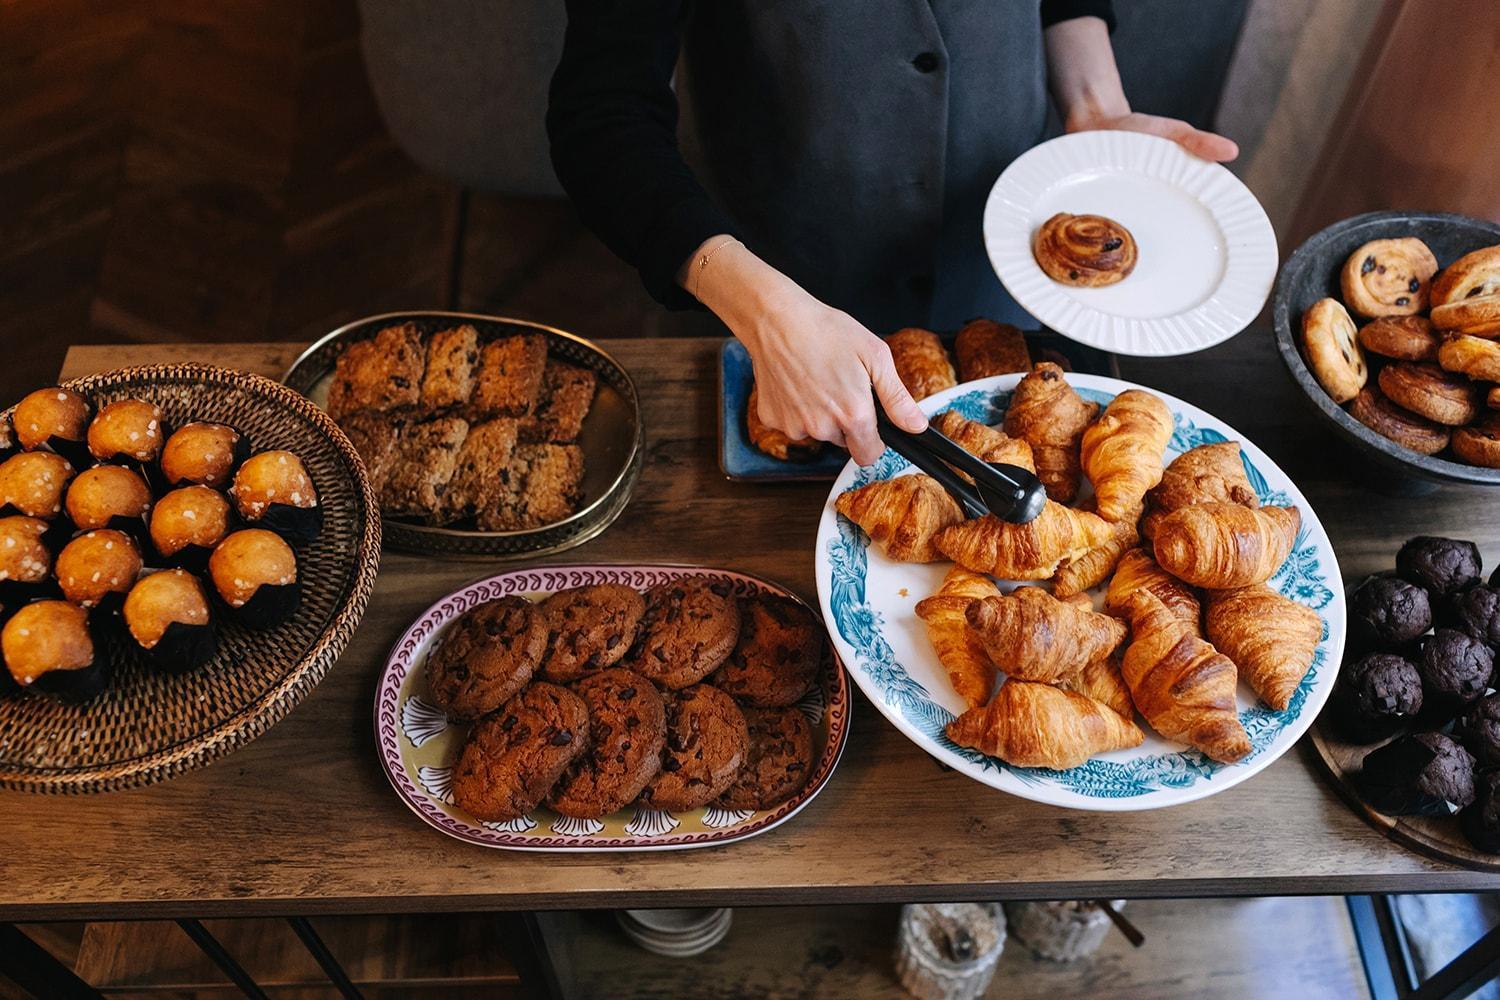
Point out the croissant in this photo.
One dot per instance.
(1122, 452)
(988, 443)
(1221, 546)
(1033, 636)
(1030, 551)
(902, 515)
(1094, 566)
(1209, 473)
(1269, 637)
(1182, 685)
(960, 651)
(1037, 725)
(986, 348)
(1050, 416)
(1138, 571)
(921, 361)
(1101, 681)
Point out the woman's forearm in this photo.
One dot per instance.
(1081, 72)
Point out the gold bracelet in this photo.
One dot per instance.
(703, 263)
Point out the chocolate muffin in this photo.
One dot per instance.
(628, 731)
(513, 757)
(776, 659)
(1423, 775)
(691, 627)
(486, 656)
(1376, 696)
(589, 629)
(1387, 610)
(1441, 565)
(1456, 670)
(1481, 820)
(1475, 612)
(1478, 729)
(780, 760)
(707, 744)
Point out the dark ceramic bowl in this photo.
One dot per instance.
(1312, 273)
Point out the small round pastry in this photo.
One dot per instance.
(1456, 670)
(1330, 342)
(1441, 566)
(1376, 696)
(187, 523)
(255, 573)
(1405, 338)
(1472, 356)
(485, 656)
(109, 496)
(54, 418)
(1087, 251)
(1423, 775)
(1428, 391)
(1478, 317)
(128, 429)
(1473, 275)
(1478, 729)
(1385, 418)
(1388, 277)
(167, 616)
(49, 645)
(202, 453)
(273, 490)
(1387, 610)
(98, 568)
(32, 483)
(1475, 612)
(1480, 821)
(25, 557)
(1479, 443)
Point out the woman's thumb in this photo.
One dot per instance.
(897, 402)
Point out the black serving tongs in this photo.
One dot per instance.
(1007, 491)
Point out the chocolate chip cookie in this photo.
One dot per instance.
(780, 760)
(485, 656)
(777, 657)
(690, 628)
(514, 757)
(591, 628)
(628, 731)
(707, 744)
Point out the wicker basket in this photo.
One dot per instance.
(1060, 931)
(147, 725)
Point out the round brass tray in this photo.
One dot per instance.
(148, 725)
(612, 439)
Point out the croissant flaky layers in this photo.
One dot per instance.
(902, 515)
(1037, 725)
(1270, 638)
(1122, 451)
(1221, 546)
(959, 648)
(1030, 551)
(1050, 416)
(1032, 636)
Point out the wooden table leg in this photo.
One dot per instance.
(32, 967)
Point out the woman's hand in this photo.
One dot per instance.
(1208, 145)
(814, 365)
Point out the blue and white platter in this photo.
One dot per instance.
(869, 602)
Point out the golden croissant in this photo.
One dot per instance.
(921, 361)
(1122, 452)
(1094, 566)
(1037, 725)
(902, 515)
(988, 443)
(1182, 685)
(1221, 546)
(1103, 682)
(1032, 636)
(1050, 416)
(1269, 637)
(959, 649)
(1030, 551)
(1209, 473)
(1135, 571)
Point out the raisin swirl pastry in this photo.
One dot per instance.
(1084, 250)
(1388, 277)
(1466, 296)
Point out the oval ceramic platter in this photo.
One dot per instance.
(1207, 252)
(869, 604)
(419, 745)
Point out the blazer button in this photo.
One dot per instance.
(925, 62)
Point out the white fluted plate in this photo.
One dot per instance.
(1207, 252)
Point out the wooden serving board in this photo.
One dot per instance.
(1434, 835)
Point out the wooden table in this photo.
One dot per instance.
(302, 820)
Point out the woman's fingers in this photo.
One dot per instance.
(897, 402)
(1207, 145)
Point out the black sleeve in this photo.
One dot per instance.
(612, 122)
(1065, 10)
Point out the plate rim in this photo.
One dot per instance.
(387, 695)
(1226, 776)
(1047, 303)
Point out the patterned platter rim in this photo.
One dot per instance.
(1108, 784)
(317, 361)
(297, 682)
(546, 579)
